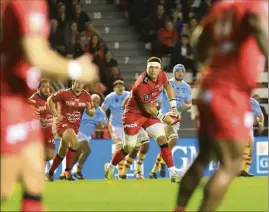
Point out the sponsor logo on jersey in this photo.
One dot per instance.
(130, 125)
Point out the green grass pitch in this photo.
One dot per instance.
(245, 194)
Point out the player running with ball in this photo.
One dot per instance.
(141, 111)
(183, 97)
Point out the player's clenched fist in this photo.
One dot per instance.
(84, 69)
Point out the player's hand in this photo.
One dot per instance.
(184, 106)
(261, 127)
(171, 120)
(88, 68)
(174, 110)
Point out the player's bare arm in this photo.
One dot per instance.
(200, 42)
(39, 54)
(53, 109)
(186, 105)
(259, 27)
(90, 110)
(171, 95)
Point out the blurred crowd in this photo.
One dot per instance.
(72, 34)
(166, 26)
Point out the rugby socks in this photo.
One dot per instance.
(70, 157)
(157, 164)
(120, 166)
(128, 162)
(118, 156)
(247, 158)
(57, 160)
(179, 209)
(166, 154)
(31, 203)
(140, 159)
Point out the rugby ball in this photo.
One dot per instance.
(174, 116)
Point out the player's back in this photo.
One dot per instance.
(236, 59)
(20, 19)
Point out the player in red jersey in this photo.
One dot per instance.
(233, 40)
(39, 102)
(141, 111)
(25, 51)
(72, 102)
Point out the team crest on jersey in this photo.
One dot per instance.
(146, 97)
(36, 21)
(146, 79)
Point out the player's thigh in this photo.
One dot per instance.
(230, 154)
(142, 138)
(155, 129)
(32, 162)
(10, 169)
(70, 136)
(132, 124)
(49, 153)
(84, 146)
(63, 147)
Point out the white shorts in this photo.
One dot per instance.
(142, 138)
(118, 133)
(82, 137)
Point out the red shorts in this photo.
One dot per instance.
(133, 122)
(19, 125)
(63, 126)
(48, 138)
(225, 115)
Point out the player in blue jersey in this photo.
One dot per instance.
(184, 102)
(113, 102)
(259, 119)
(86, 129)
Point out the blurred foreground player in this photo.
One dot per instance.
(25, 53)
(72, 102)
(39, 102)
(141, 111)
(234, 38)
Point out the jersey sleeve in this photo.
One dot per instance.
(142, 94)
(107, 102)
(58, 96)
(257, 109)
(32, 16)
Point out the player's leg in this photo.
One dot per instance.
(172, 137)
(57, 160)
(230, 155)
(247, 158)
(129, 160)
(84, 152)
(140, 158)
(117, 137)
(49, 153)
(130, 139)
(156, 130)
(32, 176)
(10, 169)
(143, 145)
(194, 174)
(70, 137)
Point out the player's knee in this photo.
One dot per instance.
(161, 140)
(128, 148)
(35, 184)
(144, 147)
(173, 140)
(49, 154)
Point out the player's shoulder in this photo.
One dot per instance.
(111, 95)
(126, 93)
(187, 85)
(100, 110)
(84, 92)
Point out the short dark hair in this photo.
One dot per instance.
(118, 82)
(154, 59)
(42, 81)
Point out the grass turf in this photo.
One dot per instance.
(245, 194)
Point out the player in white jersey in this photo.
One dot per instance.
(184, 102)
(113, 102)
(259, 119)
